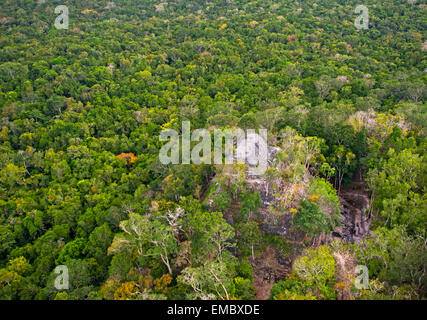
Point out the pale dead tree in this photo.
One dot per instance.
(110, 5)
(218, 280)
(222, 234)
(272, 177)
(309, 148)
(213, 276)
(189, 277)
(271, 116)
(128, 208)
(198, 279)
(146, 238)
(289, 140)
(141, 115)
(164, 256)
(183, 256)
(323, 87)
(188, 106)
(345, 263)
(22, 154)
(293, 71)
(173, 216)
(173, 219)
(417, 91)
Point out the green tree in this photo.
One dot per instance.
(316, 267)
(311, 220)
(248, 237)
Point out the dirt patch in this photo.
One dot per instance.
(355, 205)
(267, 271)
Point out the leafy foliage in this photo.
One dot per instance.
(81, 110)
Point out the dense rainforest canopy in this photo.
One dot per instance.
(81, 184)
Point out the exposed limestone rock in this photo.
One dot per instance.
(267, 271)
(354, 200)
(355, 222)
